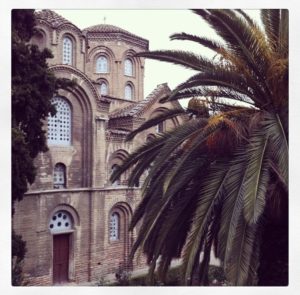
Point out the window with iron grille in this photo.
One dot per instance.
(59, 125)
(59, 176)
(67, 51)
(114, 226)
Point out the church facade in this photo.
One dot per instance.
(73, 219)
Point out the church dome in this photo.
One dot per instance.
(104, 28)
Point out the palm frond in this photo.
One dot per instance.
(245, 16)
(245, 42)
(210, 195)
(220, 93)
(167, 114)
(270, 19)
(179, 136)
(214, 180)
(187, 59)
(211, 44)
(141, 152)
(238, 267)
(257, 177)
(222, 79)
(279, 145)
(283, 42)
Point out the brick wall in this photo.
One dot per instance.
(89, 197)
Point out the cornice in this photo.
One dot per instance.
(100, 36)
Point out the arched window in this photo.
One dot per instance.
(59, 126)
(61, 221)
(128, 92)
(102, 65)
(114, 227)
(59, 176)
(67, 51)
(118, 181)
(128, 67)
(103, 88)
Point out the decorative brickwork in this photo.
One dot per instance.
(99, 125)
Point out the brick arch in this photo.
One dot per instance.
(99, 50)
(130, 83)
(70, 29)
(42, 24)
(130, 53)
(75, 45)
(117, 157)
(68, 208)
(98, 83)
(84, 84)
(124, 206)
(84, 96)
(123, 245)
(71, 237)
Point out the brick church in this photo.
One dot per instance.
(73, 219)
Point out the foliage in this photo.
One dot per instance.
(214, 180)
(18, 254)
(33, 85)
(173, 278)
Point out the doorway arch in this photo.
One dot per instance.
(62, 224)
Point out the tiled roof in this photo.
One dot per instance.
(51, 17)
(105, 28)
(134, 110)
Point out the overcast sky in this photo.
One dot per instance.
(156, 26)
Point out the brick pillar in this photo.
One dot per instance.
(99, 152)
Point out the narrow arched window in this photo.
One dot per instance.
(160, 127)
(114, 227)
(128, 67)
(59, 176)
(102, 65)
(118, 181)
(103, 88)
(128, 92)
(59, 125)
(61, 221)
(67, 51)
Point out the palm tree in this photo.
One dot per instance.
(216, 181)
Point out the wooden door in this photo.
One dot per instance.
(60, 258)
